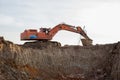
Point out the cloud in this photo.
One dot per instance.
(9, 21)
(6, 20)
(17, 15)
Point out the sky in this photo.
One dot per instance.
(101, 19)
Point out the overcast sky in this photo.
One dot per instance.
(101, 18)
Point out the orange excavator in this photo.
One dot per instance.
(46, 34)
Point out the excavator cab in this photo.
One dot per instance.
(45, 30)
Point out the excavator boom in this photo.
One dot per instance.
(46, 34)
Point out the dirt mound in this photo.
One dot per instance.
(99, 62)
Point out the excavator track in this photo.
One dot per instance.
(42, 44)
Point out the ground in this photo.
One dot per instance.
(98, 62)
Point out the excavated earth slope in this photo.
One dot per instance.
(99, 62)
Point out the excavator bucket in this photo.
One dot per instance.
(86, 42)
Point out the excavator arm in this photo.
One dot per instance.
(87, 41)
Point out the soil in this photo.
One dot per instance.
(31, 62)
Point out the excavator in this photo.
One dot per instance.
(46, 34)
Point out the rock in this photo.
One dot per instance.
(98, 62)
